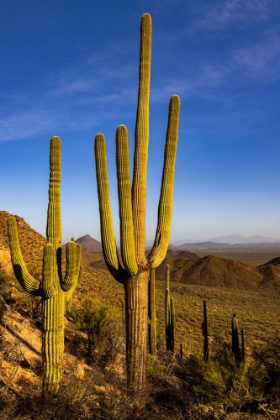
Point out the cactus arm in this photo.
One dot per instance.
(48, 286)
(142, 139)
(105, 211)
(160, 246)
(73, 262)
(125, 204)
(27, 282)
(54, 229)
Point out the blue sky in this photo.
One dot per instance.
(70, 68)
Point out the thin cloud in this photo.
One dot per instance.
(260, 60)
(75, 98)
(23, 125)
(230, 12)
(255, 62)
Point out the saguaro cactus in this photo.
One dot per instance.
(132, 269)
(242, 345)
(169, 313)
(152, 313)
(205, 332)
(53, 289)
(235, 338)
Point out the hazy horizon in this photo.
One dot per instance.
(72, 71)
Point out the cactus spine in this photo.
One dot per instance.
(152, 313)
(53, 289)
(205, 332)
(132, 270)
(169, 313)
(235, 338)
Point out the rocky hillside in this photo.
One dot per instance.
(186, 267)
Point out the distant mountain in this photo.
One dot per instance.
(87, 242)
(229, 239)
(205, 245)
(239, 239)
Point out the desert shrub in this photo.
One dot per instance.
(102, 326)
(268, 356)
(3, 307)
(231, 386)
(8, 404)
(5, 284)
(30, 306)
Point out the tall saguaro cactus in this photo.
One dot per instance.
(132, 269)
(53, 288)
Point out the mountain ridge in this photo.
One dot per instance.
(228, 239)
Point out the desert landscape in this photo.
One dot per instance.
(106, 311)
(249, 290)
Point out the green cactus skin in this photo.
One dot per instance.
(205, 333)
(132, 269)
(53, 289)
(235, 338)
(152, 314)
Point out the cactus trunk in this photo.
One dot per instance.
(152, 313)
(136, 299)
(53, 341)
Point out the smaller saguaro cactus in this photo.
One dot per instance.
(205, 333)
(152, 313)
(169, 314)
(172, 324)
(181, 351)
(242, 345)
(235, 338)
(53, 288)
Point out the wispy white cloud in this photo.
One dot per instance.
(257, 62)
(23, 124)
(104, 84)
(76, 98)
(223, 14)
